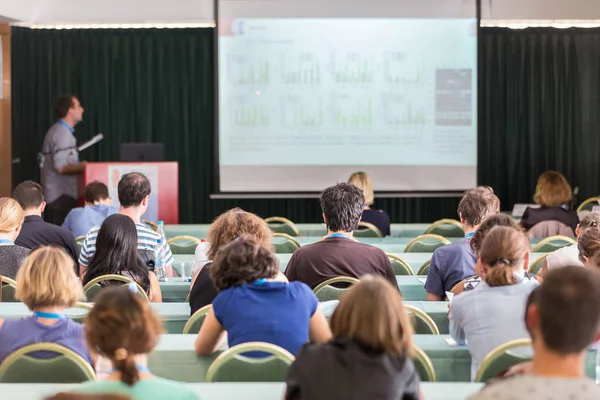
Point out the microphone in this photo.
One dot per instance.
(89, 143)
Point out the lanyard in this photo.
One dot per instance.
(7, 241)
(339, 235)
(260, 281)
(41, 314)
(469, 235)
(69, 127)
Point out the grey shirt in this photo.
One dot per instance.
(538, 387)
(59, 143)
(11, 258)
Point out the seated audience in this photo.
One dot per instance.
(134, 195)
(35, 231)
(491, 314)
(97, 207)
(123, 329)
(379, 218)
(552, 193)
(369, 356)
(11, 220)
(339, 254)
(589, 247)
(47, 284)
(228, 226)
(452, 263)
(116, 253)
(562, 319)
(256, 303)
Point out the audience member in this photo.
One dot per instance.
(35, 232)
(47, 284)
(369, 356)
(589, 247)
(123, 329)
(11, 220)
(379, 218)
(562, 319)
(339, 254)
(134, 194)
(256, 303)
(552, 194)
(116, 253)
(452, 263)
(228, 226)
(490, 315)
(80, 220)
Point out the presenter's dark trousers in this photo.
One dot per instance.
(56, 212)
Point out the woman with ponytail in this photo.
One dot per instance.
(123, 329)
(589, 246)
(492, 313)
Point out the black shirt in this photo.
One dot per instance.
(379, 218)
(532, 216)
(11, 258)
(36, 232)
(204, 291)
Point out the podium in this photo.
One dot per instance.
(163, 177)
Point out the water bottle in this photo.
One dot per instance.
(161, 231)
(160, 268)
(597, 364)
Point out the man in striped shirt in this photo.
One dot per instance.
(134, 194)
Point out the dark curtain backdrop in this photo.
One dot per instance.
(540, 110)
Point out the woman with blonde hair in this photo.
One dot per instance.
(492, 313)
(369, 356)
(379, 218)
(11, 220)
(47, 284)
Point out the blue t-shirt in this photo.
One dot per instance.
(80, 220)
(271, 312)
(449, 265)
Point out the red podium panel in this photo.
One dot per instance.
(163, 176)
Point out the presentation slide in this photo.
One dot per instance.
(304, 102)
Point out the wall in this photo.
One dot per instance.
(5, 115)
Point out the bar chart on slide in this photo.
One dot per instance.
(351, 67)
(299, 68)
(352, 113)
(247, 113)
(299, 112)
(242, 69)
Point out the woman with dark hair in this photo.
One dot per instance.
(116, 253)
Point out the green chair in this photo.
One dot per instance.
(424, 270)
(537, 265)
(66, 367)
(367, 230)
(151, 225)
(183, 244)
(446, 228)
(423, 324)
(93, 287)
(233, 366)
(425, 244)
(79, 316)
(423, 365)
(400, 266)
(79, 241)
(552, 243)
(326, 291)
(589, 204)
(284, 243)
(8, 290)
(194, 323)
(282, 225)
(500, 359)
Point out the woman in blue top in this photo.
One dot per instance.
(257, 304)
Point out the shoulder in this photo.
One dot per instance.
(21, 250)
(504, 388)
(177, 389)
(92, 233)
(314, 352)
(301, 288)
(145, 232)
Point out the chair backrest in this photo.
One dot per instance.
(284, 243)
(183, 244)
(282, 225)
(552, 243)
(400, 266)
(194, 323)
(424, 270)
(325, 291)
(366, 229)
(537, 264)
(423, 324)
(233, 366)
(8, 290)
(151, 225)
(425, 244)
(423, 365)
(79, 316)
(446, 228)
(545, 229)
(93, 287)
(500, 359)
(588, 204)
(67, 367)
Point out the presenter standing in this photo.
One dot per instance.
(61, 160)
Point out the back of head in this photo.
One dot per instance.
(477, 204)
(589, 246)
(234, 223)
(62, 105)
(568, 304)
(95, 191)
(371, 313)
(503, 250)
(362, 181)
(342, 206)
(29, 194)
(591, 220)
(133, 189)
(487, 225)
(120, 326)
(243, 261)
(47, 278)
(11, 214)
(552, 190)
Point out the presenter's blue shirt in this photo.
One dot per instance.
(80, 220)
(271, 312)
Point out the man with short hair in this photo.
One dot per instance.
(563, 319)
(134, 194)
(339, 254)
(98, 206)
(61, 160)
(452, 263)
(35, 232)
